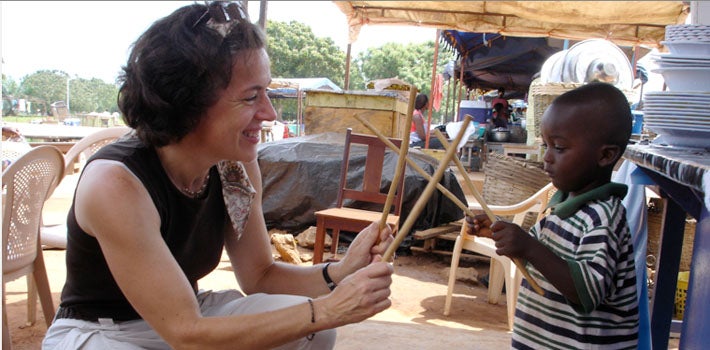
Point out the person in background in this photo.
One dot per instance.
(581, 253)
(501, 99)
(185, 187)
(497, 120)
(419, 127)
(517, 115)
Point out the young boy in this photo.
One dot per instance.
(581, 253)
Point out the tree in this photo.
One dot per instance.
(45, 87)
(92, 95)
(296, 52)
(9, 87)
(411, 63)
(85, 95)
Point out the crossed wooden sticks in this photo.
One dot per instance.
(429, 189)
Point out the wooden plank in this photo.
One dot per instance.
(437, 231)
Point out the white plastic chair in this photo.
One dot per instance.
(55, 236)
(502, 269)
(27, 183)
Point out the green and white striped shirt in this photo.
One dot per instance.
(589, 232)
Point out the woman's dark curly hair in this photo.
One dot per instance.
(176, 70)
(421, 101)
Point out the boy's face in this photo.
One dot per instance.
(572, 150)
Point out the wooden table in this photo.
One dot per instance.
(684, 178)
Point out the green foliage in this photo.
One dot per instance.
(411, 63)
(92, 96)
(296, 52)
(44, 87)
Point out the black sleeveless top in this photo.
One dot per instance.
(193, 230)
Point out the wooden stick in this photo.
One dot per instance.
(417, 168)
(486, 209)
(401, 160)
(424, 197)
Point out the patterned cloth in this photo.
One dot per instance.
(238, 193)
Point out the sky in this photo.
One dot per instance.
(90, 39)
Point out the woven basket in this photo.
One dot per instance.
(509, 180)
(541, 96)
(655, 219)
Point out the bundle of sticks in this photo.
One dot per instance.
(432, 184)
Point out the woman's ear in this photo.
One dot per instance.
(609, 155)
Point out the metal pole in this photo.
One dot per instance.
(431, 91)
(346, 85)
(262, 14)
(68, 111)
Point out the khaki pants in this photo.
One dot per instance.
(107, 334)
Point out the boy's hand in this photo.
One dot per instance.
(511, 240)
(478, 225)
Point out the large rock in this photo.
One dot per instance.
(307, 238)
(285, 244)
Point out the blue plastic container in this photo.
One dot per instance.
(637, 126)
(477, 109)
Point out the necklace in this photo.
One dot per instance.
(194, 194)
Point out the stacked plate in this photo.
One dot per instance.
(680, 118)
(687, 66)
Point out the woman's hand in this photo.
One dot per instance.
(360, 295)
(367, 245)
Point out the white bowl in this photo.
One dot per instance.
(688, 48)
(686, 78)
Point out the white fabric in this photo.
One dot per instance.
(453, 129)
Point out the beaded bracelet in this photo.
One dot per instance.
(313, 318)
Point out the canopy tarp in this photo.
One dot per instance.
(492, 60)
(625, 23)
(288, 88)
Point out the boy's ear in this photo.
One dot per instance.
(609, 155)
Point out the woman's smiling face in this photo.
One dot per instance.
(232, 127)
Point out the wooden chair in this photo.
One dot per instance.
(343, 217)
(55, 236)
(27, 183)
(506, 180)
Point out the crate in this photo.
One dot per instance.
(333, 111)
(680, 294)
(655, 222)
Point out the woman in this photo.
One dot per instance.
(149, 217)
(418, 130)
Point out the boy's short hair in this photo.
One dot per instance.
(608, 105)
